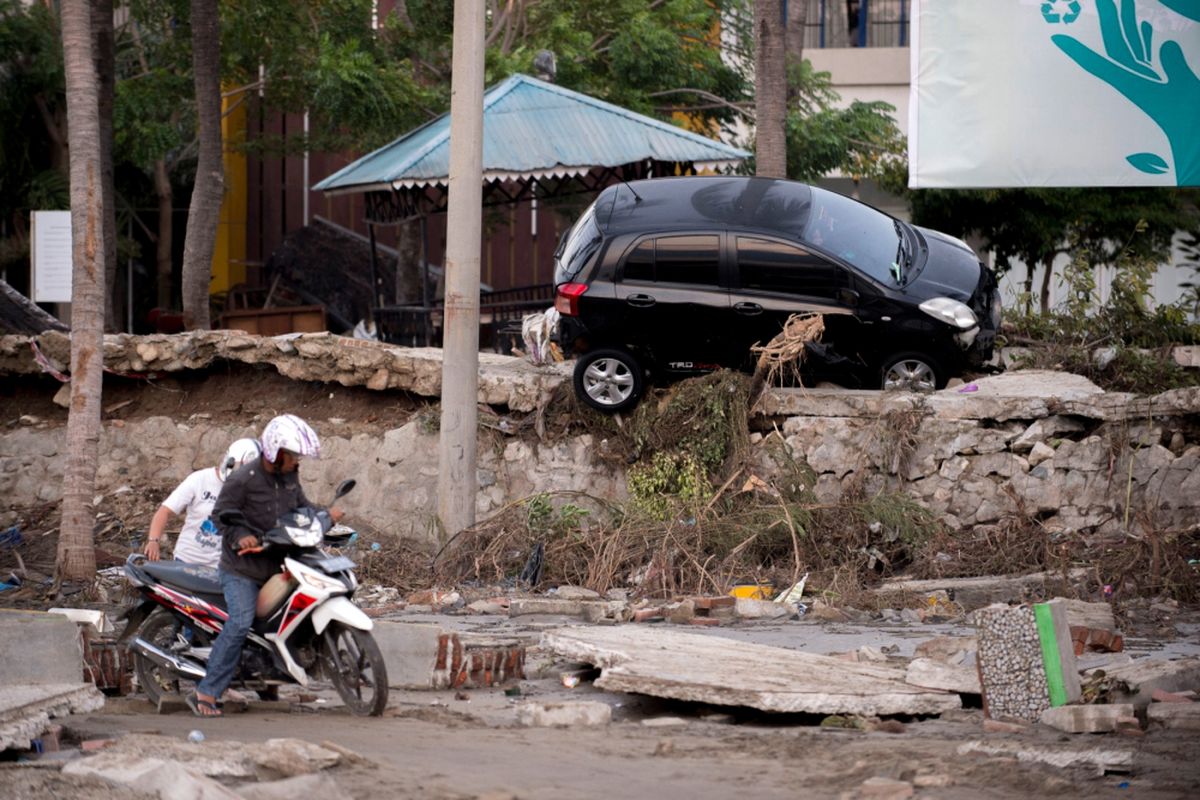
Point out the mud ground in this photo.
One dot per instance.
(432, 745)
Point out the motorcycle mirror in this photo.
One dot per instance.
(344, 488)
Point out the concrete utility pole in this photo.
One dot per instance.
(460, 341)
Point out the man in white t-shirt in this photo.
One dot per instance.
(198, 542)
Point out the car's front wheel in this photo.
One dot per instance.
(912, 372)
(609, 380)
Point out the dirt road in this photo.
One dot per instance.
(473, 748)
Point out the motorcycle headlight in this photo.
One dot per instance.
(320, 582)
(951, 312)
(306, 536)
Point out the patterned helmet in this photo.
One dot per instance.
(239, 453)
(289, 432)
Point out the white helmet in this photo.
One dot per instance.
(289, 432)
(239, 453)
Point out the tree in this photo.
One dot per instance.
(105, 58)
(209, 188)
(1036, 225)
(76, 553)
(770, 89)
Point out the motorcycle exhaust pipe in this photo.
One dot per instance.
(185, 667)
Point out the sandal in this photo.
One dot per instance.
(196, 704)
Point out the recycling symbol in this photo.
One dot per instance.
(1053, 12)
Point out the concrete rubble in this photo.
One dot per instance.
(706, 669)
(1136, 682)
(975, 593)
(26, 709)
(1102, 759)
(1091, 719)
(564, 715)
(1181, 716)
(1026, 660)
(168, 779)
(426, 656)
(940, 675)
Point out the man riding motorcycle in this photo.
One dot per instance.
(263, 490)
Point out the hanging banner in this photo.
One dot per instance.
(1055, 93)
(51, 254)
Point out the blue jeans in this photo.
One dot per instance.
(241, 595)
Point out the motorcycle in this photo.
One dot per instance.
(305, 623)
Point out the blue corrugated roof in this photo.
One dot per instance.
(533, 128)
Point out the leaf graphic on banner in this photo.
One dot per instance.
(1148, 163)
(1168, 93)
(1188, 8)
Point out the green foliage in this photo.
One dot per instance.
(544, 518)
(669, 483)
(1139, 339)
(861, 140)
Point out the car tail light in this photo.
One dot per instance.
(566, 301)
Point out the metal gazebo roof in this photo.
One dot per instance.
(533, 130)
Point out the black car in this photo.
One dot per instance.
(677, 276)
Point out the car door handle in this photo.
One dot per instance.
(749, 309)
(640, 300)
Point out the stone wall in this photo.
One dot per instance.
(1044, 445)
(396, 471)
(1049, 446)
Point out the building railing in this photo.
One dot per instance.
(857, 23)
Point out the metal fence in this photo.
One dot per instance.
(856, 23)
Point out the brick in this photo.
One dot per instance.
(647, 614)
(1001, 726)
(1163, 696)
(710, 603)
(95, 745)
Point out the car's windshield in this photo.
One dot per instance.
(857, 234)
(580, 245)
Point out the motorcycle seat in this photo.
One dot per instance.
(190, 577)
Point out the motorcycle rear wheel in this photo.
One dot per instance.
(162, 630)
(355, 666)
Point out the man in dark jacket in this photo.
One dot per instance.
(263, 490)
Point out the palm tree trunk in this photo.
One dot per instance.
(166, 219)
(104, 57)
(76, 553)
(205, 210)
(1048, 261)
(770, 90)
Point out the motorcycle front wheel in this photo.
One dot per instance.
(355, 667)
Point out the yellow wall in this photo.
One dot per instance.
(229, 256)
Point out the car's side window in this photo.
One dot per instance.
(688, 259)
(693, 258)
(771, 266)
(639, 264)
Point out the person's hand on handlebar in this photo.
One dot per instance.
(249, 544)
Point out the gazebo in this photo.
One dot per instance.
(540, 141)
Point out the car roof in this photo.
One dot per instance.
(780, 206)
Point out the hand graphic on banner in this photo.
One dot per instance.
(1169, 95)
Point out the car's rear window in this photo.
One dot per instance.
(581, 244)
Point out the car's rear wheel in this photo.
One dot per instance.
(912, 372)
(609, 380)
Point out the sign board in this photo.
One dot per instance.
(1055, 93)
(50, 252)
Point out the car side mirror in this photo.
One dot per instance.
(847, 297)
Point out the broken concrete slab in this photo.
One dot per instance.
(290, 757)
(1026, 660)
(26, 711)
(171, 781)
(590, 610)
(272, 759)
(564, 715)
(1090, 718)
(879, 788)
(932, 674)
(709, 669)
(1135, 682)
(749, 608)
(1103, 759)
(975, 593)
(39, 648)
(1097, 616)
(1180, 716)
